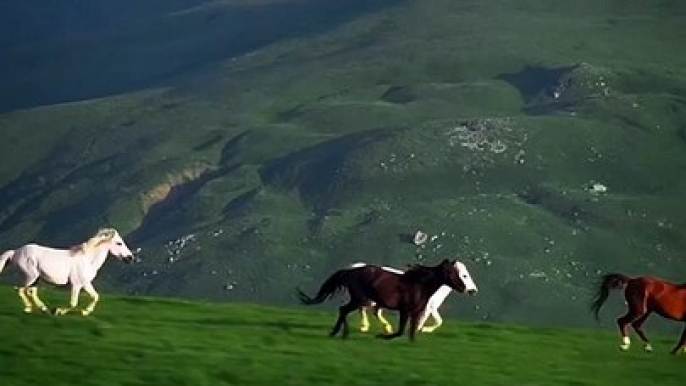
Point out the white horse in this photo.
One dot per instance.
(77, 266)
(432, 305)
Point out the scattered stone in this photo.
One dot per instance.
(597, 188)
(420, 238)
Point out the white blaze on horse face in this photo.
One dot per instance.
(466, 278)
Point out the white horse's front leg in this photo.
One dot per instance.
(73, 301)
(438, 322)
(94, 299)
(423, 318)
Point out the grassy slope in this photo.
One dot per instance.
(147, 341)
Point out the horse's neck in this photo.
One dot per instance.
(430, 287)
(97, 258)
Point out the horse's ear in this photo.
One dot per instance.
(445, 261)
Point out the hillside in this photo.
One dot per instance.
(251, 146)
(147, 341)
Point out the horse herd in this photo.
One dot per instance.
(415, 294)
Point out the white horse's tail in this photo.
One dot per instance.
(5, 257)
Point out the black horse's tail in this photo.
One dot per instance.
(332, 286)
(607, 282)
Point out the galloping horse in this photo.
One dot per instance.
(644, 295)
(376, 311)
(407, 293)
(77, 266)
(432, 306)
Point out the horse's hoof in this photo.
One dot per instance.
(28, 310)
(624, 347)
(648, 348)
(427, 329)
(61, 311)
(85, 312)
(364, 329)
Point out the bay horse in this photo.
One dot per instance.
(406, 293)
(644, 295)
(77, 266)
(431, 309)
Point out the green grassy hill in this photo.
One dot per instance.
(147, 341)
(486, 124)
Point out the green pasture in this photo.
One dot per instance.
(155, 341)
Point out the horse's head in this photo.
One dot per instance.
(117, 246)
(457, 276)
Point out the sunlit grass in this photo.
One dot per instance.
(146, 341)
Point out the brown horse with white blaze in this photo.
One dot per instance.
(406, 293)
(644, 295)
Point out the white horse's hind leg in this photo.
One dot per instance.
(438, 322)
(28, 307)
(364, 323)
(386, 324)
(33, 294)
(94, 299)
(25, 292)
(73, 301)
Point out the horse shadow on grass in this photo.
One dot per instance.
(283, 325)
(294, 325)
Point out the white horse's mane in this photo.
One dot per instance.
(103, 235)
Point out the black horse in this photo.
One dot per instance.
(406, 293)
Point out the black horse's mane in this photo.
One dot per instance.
(420, 273)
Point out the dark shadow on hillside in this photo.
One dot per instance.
(87, 50)
(542, 89)
(407, 238)
(70, 170)
(569, 210)
(682, 132)
(57, 175)
(233, 148)
(166, 217)
(317, 173)
(240, 205)
(399, 95)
